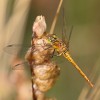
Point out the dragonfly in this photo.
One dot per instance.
(62, 49)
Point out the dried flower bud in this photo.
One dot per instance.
(44, 85)
(45, 75)
(39, 26)
(41, 53)
(46, 71)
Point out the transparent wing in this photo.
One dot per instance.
(70, 33)
(20, 66)
(66, 30)
(15, 48)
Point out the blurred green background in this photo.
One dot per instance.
(16, 20)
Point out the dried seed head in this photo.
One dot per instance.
(45, 75)
(41, 53)
(39, 26)
(46, 71)
(44, 85)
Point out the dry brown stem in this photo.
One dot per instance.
(55, 18)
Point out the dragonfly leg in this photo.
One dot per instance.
(59, 54)
(52, 55)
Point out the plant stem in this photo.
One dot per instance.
(55, 18)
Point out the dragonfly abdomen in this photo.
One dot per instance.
(69, 58)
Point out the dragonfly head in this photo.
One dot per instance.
(52, 38)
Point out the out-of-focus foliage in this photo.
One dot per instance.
(16, 20)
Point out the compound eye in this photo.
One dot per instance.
(50, 39)
(54, 37)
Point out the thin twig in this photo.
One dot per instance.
(55, 18)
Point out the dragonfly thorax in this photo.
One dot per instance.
(59, 45)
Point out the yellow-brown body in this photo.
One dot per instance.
(62, 49)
